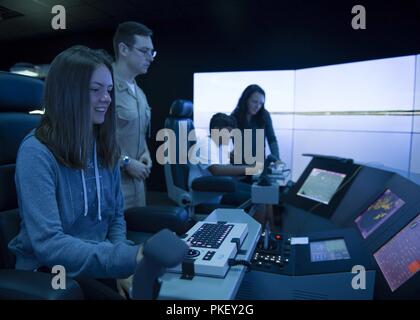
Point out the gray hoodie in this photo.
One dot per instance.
(70, 217)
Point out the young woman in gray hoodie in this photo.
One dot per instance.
(68, 177)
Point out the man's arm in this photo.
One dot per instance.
(271, 137)
(137, 169)
(227, 170)
(235, 170)
(145, 157)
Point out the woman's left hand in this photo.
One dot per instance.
(124, 286)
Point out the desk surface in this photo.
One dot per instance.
(211, 288)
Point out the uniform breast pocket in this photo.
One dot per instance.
(126, 117)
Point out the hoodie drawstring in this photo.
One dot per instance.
(98, 186)
(98, 183)
(84, 192)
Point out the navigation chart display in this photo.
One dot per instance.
(378, 212)
(399, 258)
(321, 185)
(328, 250)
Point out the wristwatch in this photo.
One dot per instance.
(126, 161)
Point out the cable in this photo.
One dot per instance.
(247, 264)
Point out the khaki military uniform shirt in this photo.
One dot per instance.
(133, 127)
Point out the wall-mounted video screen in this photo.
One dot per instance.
(328, 250)
(399, 258)
(321, 185)
(378, 212)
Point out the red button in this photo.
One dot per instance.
(278, 237)
(414, 266)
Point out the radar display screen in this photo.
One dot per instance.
(321, 185)
(328, 250)
(399, 258)
(378, 212)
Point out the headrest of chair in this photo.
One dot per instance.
(20, 93)
(181, 109)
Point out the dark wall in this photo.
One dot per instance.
(237, 36)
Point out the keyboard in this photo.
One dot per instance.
(210, 235)
(211, 247)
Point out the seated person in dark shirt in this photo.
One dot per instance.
(210, 156)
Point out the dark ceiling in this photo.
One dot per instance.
(229, 17)
(296, 33)
(87, 14)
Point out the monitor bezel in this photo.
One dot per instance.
(406, 283)
(365, 208)
(326, 211)
(332, 196)
(325, 241)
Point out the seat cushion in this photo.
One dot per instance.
(20, 93)
(219, 184)
(14, 126)
(9, 228)
(8, 199)
(138, 237)
(152, 219)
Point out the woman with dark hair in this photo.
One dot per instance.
(68, 178)
(251, 114)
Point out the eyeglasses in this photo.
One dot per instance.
(151, 52)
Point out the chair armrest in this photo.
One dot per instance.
(19, 284)
(220, 184)
(155, 218)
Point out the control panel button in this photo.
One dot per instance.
(192, 253)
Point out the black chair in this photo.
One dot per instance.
(18, 96)
(143, 222)
(204, 189)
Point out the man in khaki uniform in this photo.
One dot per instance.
(134, 53)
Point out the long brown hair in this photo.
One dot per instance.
(241, 109)
(66, 127)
